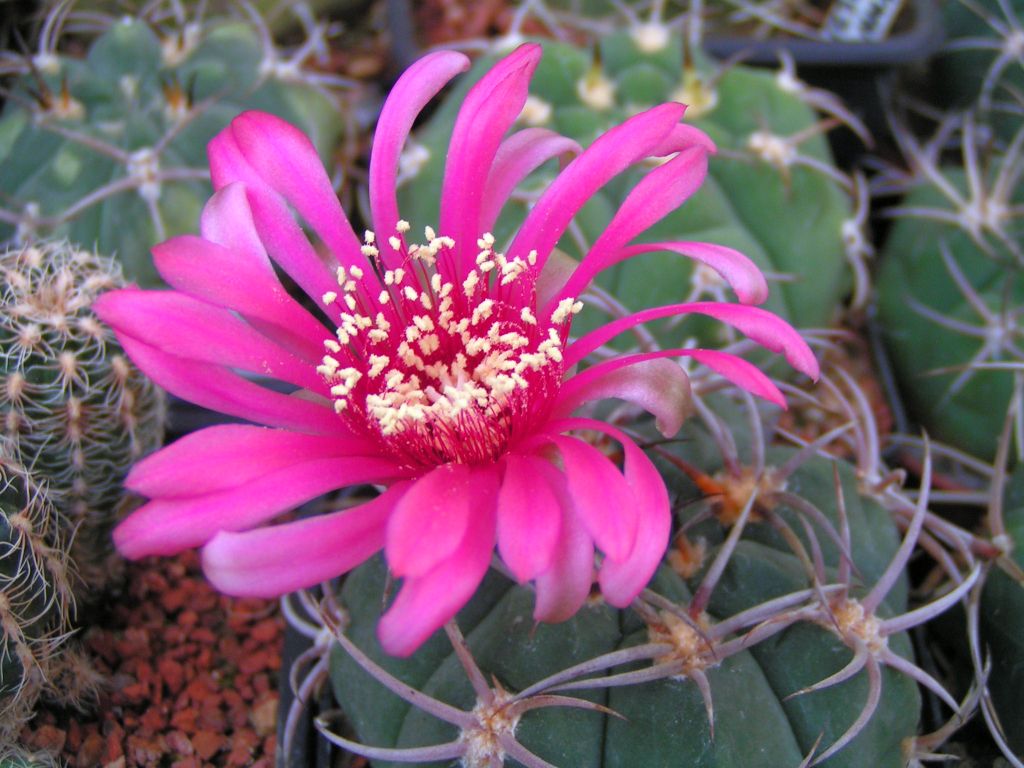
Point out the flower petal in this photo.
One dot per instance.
(218, 276)
(167, 526)
(426, 602)
(657, 194)
(432, 519)
(489, 109)
(622, 578)
(600, 494)
(280, 234)
(417, 86)
(742, 274)
(763, 327)
(517, 157)
(229, 455)
(227, 221)
(189, 328)
(564, 587)
(529, 516)
(659, 386)
(608, 156)
(740, 372)
(272, 561)
(288, 163)
(224, 391)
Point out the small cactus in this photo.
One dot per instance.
(35, 593)
(109, 149)
(74, 409)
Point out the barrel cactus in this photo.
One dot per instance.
(108, 148)
(773, 191)
(951, 272)
(35, 593)
(772, 635)
(75, 410)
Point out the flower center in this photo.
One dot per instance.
(437, 368)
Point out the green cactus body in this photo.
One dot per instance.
(664, 722)
(1002, 616)
(787, 218)
(114, 155)
(35, 593)
(75, 410)
(918, 298)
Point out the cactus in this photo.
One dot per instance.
(14, 757)
(772, 191)
(735, 655)
(108, 149)
(35, 593)
(951, 273)
(74, 408)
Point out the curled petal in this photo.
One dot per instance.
(529, 516)
(682, 137)
(432, 519)
(739, 372)
(426, 602)
(763, 327)
(227, 221)
(659, 386)
(608, 156)
(288, 163)
(601, 496)
(565, 586)
(657, 194)
(229, 455)
(518, 156)
(414, 89)
(273, 561)
(490, 108)
(168, 526)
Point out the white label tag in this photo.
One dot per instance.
(860, 21)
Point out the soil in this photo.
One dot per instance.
(188, 677)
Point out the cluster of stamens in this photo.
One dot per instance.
(441, 369)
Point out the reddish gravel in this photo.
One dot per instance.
(191, 678)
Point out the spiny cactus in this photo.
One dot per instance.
(772, 191)
(75, 410)
(951, 286)
(772, 635)
(108, 149)
(15, 757)
(35, 593)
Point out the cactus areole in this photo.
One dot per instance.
(446, 372)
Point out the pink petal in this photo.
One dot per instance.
(529, 516)
(517, 157)
(763, 327)
(223, 390)
(487, 112)
(600, 494)
(417, 86)
(564, 587)
(608, 156)
(659, 386)
(742, 274)
(219, 276)
(189, 328)
(432, 519)
(682, 137)
(739, 372)
(228, 455)
(657, 194)
(167, 526)
(623, 578)
(227, 221)
(288, 163)
(272, 561)
(426, 602)
(281, 235)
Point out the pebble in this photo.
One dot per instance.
(191, 678)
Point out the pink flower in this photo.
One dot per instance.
(445, 373)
